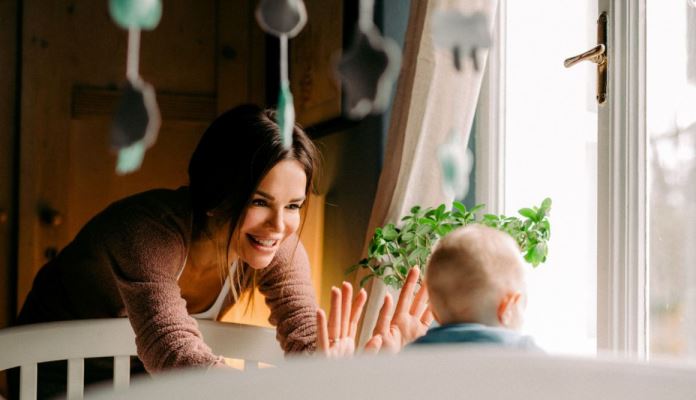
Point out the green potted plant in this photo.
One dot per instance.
(393, 249)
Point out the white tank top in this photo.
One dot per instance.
(214, 310)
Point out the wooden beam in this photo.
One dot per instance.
(89, 102)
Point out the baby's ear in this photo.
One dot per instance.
(507, 307)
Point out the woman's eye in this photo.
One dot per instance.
(258, 202)
(294, 206)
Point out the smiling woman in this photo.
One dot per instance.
(164, 256)
(274, 213)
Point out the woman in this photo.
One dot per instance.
(165, 256)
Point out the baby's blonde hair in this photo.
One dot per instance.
(469, 271)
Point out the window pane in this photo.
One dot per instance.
(551, 151)
(671, 124)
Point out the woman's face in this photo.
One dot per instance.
(274, 213)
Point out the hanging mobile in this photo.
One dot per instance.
(455, 166)
(369, 69)
(137, 118)
(462, 35)
(284, 19)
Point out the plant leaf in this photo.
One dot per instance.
(529, 213)
(476, 208)
(546, 204)
(459, 207)
(353, 268)
(424, 229)
(390, 232)
(364, 280)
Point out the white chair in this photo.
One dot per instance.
(26, 346)
(447, 372)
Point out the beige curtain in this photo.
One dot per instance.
(431, 98)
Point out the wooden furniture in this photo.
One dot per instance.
(25, 346)
(440, 372)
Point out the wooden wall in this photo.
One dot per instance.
(8, 140)
(68, 81)
(351, 171)
(8, 135)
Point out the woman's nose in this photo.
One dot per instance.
(275, 220)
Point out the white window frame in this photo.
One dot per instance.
(622, 164)
(622, 223)
(490, 123)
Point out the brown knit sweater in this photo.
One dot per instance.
(126, 262)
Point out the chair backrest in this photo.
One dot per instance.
(26, 346)
(438, 372)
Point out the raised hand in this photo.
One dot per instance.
(409, 322)
(337, 339)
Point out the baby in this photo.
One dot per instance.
(475, 281)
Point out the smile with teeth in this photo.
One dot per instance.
(262, 242)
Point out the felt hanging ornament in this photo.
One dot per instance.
(455, 165)
(369, 68)
(137, 118)
(461, 34)
(281, 17)
(284, 19)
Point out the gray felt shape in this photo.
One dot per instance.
(281, 17)
(137, 116)
(368, 72)
(462, 34)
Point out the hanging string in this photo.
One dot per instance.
(366, 19)
(286, 108)
(137, 118)
(462, 35)
(283, 19)
(133, 60)
(283, 59)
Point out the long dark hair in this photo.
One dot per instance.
(234, 154)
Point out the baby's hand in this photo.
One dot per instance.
(409, 322)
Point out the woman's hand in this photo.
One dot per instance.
(337, 340)
(409, 322)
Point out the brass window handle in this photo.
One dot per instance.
(596, 54)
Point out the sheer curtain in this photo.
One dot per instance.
(431, 99)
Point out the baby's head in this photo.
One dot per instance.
(476, 274)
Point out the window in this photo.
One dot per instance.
(621, 274)
(671, 126)
(551, 151)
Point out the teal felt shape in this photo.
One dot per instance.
(130, 159)
(455, 166)
(143, 14)
(281, 17)
(286, 114)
